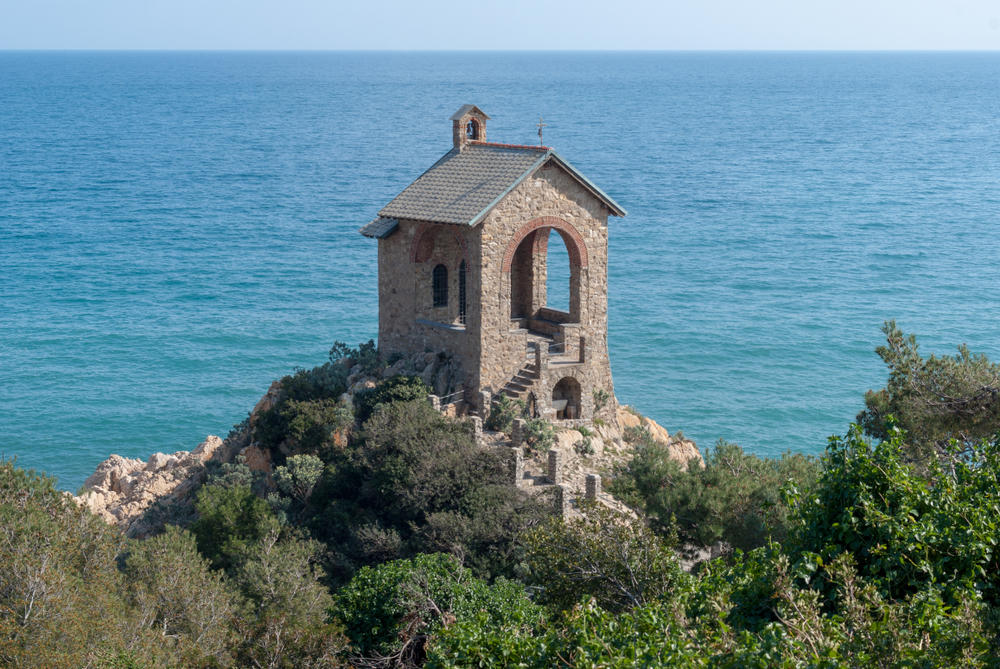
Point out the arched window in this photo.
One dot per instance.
(472, 129)
(440, 286)
(461, 293)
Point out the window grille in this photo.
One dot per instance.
(461, 293)
(440, 286)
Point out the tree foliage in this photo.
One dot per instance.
(391, 610)
(934, 399)
(415, 482)
(736, 497)
(603, 555)
(230, 520)
(389, 543)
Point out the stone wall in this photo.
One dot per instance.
(409, 323)
(548, 199)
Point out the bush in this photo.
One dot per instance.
(285, 625)
(932, 399)
(416, 482)
(62, 601)
(176, 595)
(391, 610)
(903, 527)
(601, 397)
(230, 520)
(539, 435)
(503, 411)
(603, 555)
(366, 355)
(735, 498)
(298, 476)
(396, 389)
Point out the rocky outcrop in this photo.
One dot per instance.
(680, 449)
(140, 495)
(123, 489)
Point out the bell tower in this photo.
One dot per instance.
(468, 125)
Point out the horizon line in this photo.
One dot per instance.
(443, 51)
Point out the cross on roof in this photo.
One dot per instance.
(541, 125)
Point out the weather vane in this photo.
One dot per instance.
(541, 125)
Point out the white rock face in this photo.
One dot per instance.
(121, 489)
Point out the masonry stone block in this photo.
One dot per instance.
(555, 466)
(517, 464)
(593, 486)
(517, 432)
(477, 427)
(561, 500)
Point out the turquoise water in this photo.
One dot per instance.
(177, 230)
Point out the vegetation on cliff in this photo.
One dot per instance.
(384, 537)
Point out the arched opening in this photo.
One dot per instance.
(546, 278)
(566, 398)
(557, 274)
(461, 293)
(440, 286)
(472, 129)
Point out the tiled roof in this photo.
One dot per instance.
(463, 186)
(457, 188)
(464, 109)
(379, 228)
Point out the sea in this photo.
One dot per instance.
(178, 229)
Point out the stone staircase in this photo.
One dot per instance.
(522, 382)
(524, 378)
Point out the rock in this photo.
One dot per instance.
(257, 459)
(110, 474)
(157, 461)
(567, 439)
(206, 449)
(680, 450)
(121, 489)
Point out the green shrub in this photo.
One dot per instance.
(366, 355)
(932, 399)
(735, 498)
(503, 411)
(176, 595)
(230, 520)
(298, 476)
(285, 624)
(413, 482)
(601, 397)
(391, 610)
(604, 555)
(637, 434)
(396, 389)
(539, 435)
(904, 526)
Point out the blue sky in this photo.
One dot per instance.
(513, 24)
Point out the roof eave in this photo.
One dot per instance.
(614, 207)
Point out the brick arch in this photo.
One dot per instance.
(571, 236)
(422, 247)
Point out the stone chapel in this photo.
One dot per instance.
(462, 268)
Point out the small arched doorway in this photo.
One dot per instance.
(566, 398)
